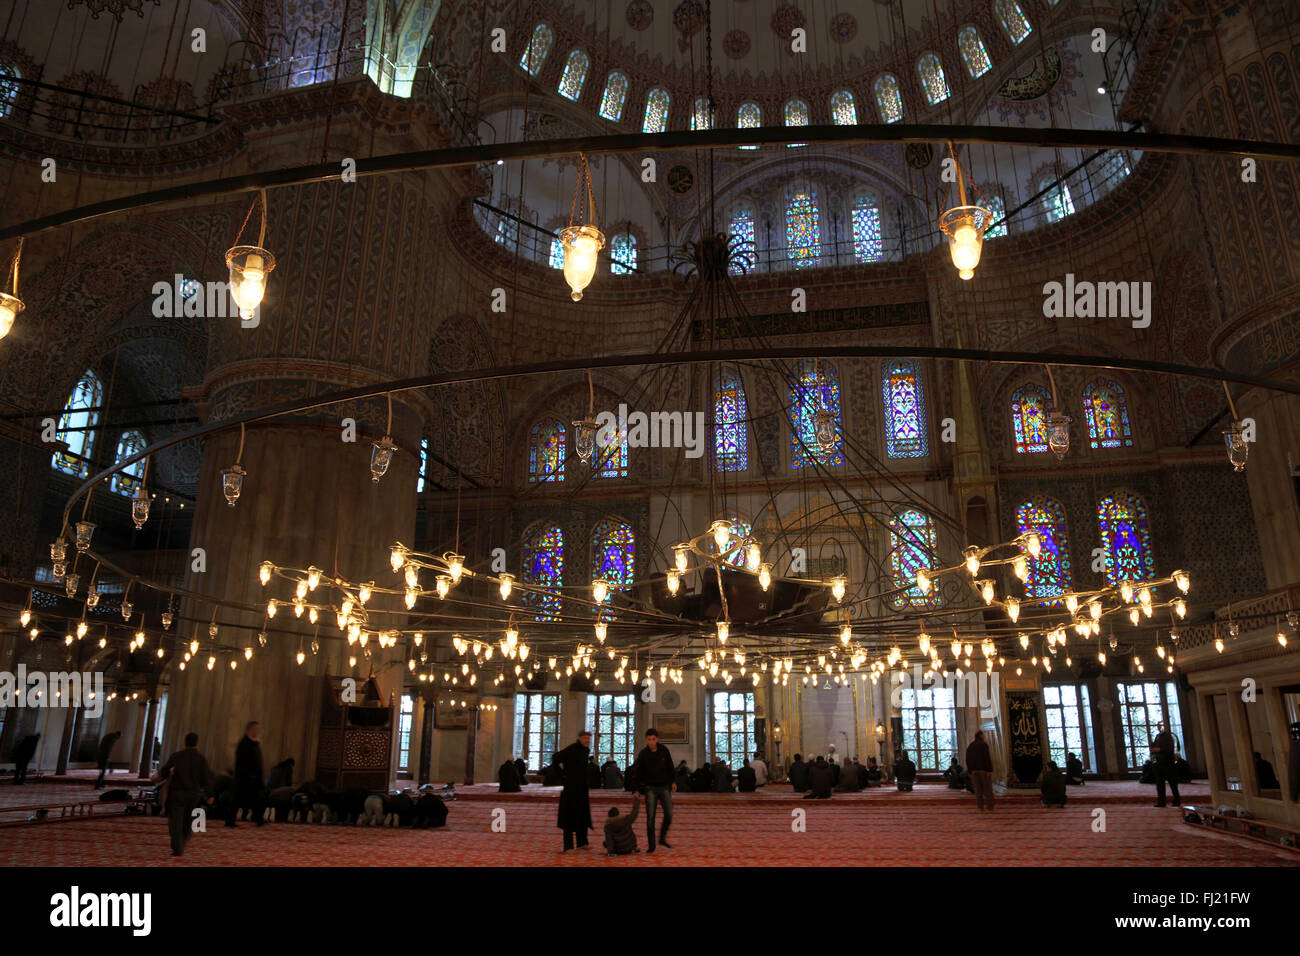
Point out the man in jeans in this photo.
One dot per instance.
(980, 764)
(654, 770)
(188, 781)
(1162, 752)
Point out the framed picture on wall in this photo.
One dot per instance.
(448, 717)
(673, 728)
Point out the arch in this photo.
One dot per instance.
(889, 98)
(1013, 20)
(816, 387)
(912, 547)
(613, 553)
(973, 52)
(539, 45)
(1029, 407)
(1049, 573)
(615, 95)
(731, 422)
(701, 114)
(903, 394)
(933, 82)
(1105, 406)
(1125, 538)
(126, 481)
(574, 76)
(546, 451)
(844, 108)
(656, 111)
(543, 566)
(77, 426)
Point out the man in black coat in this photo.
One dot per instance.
(722, 777)
(508, 778)
(593, 775)
(188, 780)
(106, 745)
(1073, 770)
(249, 787)
(819, 781)
(1162, 752)
(521, 768)
(23, 753)
(610, 776)
(653, 770)
(574, 817)
(905, 770)
(746, 779)
(702, 779)
(799, 774)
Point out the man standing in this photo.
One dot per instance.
(574, 817)
(1162, 752)
(654, 771)
(979, 762)
(760, 769)
(249, 787)
(187, 780)
(105, 751)
(23, 753)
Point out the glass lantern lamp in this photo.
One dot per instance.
(964, 226)
(824, 429)
(1058, 433)
(10, 306)
(249, 268)
(140, 507)
(381, 456)
(84, 531)
(581, 244)
(232, 483)
(1235, 440)
(584, 438)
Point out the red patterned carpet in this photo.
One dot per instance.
(930, 827)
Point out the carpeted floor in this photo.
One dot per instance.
(930, 827)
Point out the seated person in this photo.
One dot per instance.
(593, 775)
(747, 779)
(799, 774)
(864, 780)
(1182, 769)
(1264, 774)
(610, 777)
(683, 778)
(620, 837)
(905, 772)
(957, 777)
(1073, 770)
(849, 778)
(875, 776)
(702, 779)
(819, 781)
(722, 777)
(508, 778)
(522, 769)
(1148, 772)
(552, 775)
(1051, 784)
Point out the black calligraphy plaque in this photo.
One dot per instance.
(1025, 736)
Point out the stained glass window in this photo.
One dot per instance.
(1057, 201)
(906, 435)
(843, 109)
(544, 567)
(973, 52)
(612, 458)
(818, 386)
(1013, 19)
(126, 481)
(656, 112)
(744, 251)
(1029, 408)
(613, 553)
(556, 258)
(802, 229)
(507, 232)
(796, 114)
(611, 102)
(996, 206)
(424, 466)
(889, 99)
(1049, 573)
(1106, 409)
(622, 254)
(700, 114)
(535, 53)
(749, 116)
(933, 81)
(546, 451)
(1125, 538)
(730, 416)
(575, 74)
(868, 245)
(9, 76)
(911, 547)
(77, 426)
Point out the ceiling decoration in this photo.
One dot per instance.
(115, 7)
(640, 14)
(843, 27)
(1038, 81)
(786, 19)
(736, 44)
(689, 18)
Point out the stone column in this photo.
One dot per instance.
(146, 749)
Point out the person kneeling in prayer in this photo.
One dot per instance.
(1051, 784)
(620, 837)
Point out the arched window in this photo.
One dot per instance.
(546, 451)
(889, 99)
(1113, 169)
(740, 530)
(802, 229)
(701, 115)
(9, 77)
(613, 554)
(556, 259)
(77, 426)
(1049, 573)
(615, 95)
(1125, 538)
(868, 245)
(730, 417)
(1057, 201)
(656, 111)
(126, 481)
(817, 387)
(903, 393)
(544, 567)
(973, 52)
(911, 548)
(996, 206)
(933, 81)
(744, 250)
(610, 459)
(1013, 19)
(622, 254)
(796, 114)
(535, 53)
(749, 116)
(424, 466)
(575, 74)
(1029, 408)
(844, 110)
(1106, 409)
(507, 232)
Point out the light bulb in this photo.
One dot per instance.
(10, 306)
(923, 580)
(271, 607)
(313, 579)
(674, 580)
(264, 572)
(455, 567)
(581, 244)
(1235, 439)
(1032, 543)
(721, 535)
(507, 582)
(972, 560)
(232, 484)
(1126, 591)
(302, 657)
(82, 628)
(986, 590)
(681, 555)
(753, 555)
(1094, 609)
(765, 576)
(444, 585)
(724, 631)
(410, 597)
(923, 641)
(599, 590)
(1182, 581)
(964, 247)
(397, 557)
(1013, 609)
(1058, 433)
(1071, 603)
(838, 587)
(24, 617)
(601, 629)
(364, 593)
(846, 634)
(1180, 607)
(1020, 567)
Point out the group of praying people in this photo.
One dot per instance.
(710, 777)
(818, 777)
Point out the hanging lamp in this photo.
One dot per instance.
(584, 429)
(1235, 436)
(1058, 423)
(250, 265)
(582, 240)
(965, 225)
(10, 304)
